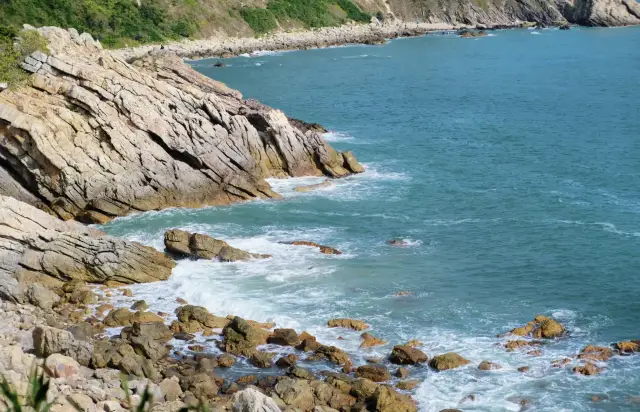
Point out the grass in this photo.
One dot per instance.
(36, 397)
(14, 47)
(309, 13)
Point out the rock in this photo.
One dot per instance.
(368, 341)
(596, 353)
(247, 380)
(60, 366)
(241, 339)
(226, 361)
(488, 366)
(348, 324)
(466, 34)
(540, 327)
(196, 348)
(201, 385)
(42, 297)
(523, 369)
(199, 246)
(334, 355)
(447, 361)
(535, 352)
(140, 305)
(171, 389)
(402, 293)
(287, 361)
(397, 242)
(118, 317)
(627, 347)
(181, 301)
(261, 359)
(406, 355)
(127, 292)
(295, 393)
(407, 385)
(84, 296)
(413, 343)
(252, 400)
(401, 373)
(350, 163)
(559, 363)
(588, 369)
(516, 344)
(48, 340)
(175, 137)
(311, 188)
(300, 373)
(308, 344)
(146, 317)
(81, 402)
(327, 250)
(184, 336)
(284, 337)
(386, 399)
(375, 373)
(38, 243)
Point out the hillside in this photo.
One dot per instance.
(118, 23)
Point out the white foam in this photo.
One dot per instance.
(535, 32)
(337, 137)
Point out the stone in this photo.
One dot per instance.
(140, 305)
(48, 340)
(196, 348)
(523, 369)
(596, 353)
(300, 373)
(247, 380)
(450, 360)
(488, 366)
(171, 389)
(83, 296)
(146, 317)
(201, 385)
(414, 343)
(369, 341)
(375, 373)
(317, 186)
(60, 366)
(118, 317)
(81, 402)
(200, 246)
(261, 359)
(348, 324)
(252, 400)
(327, 250)
(201, 315)
(407, 385)
(284, 337)
(287, 361)
(627, 347)
(241, 339)
(42, 297)
(401, 373)
(184, 336)
(406, 355)
(548, 329)
(559, 363)
(402, 293)
(588, 369)
(226, 361)
(181, 301)
(295, 393)
(386, 399)
(334, 355)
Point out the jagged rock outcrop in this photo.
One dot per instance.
(198, 246)
(95, 137)
(36, 247)
(601, 12)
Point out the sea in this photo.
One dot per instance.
(509, 165)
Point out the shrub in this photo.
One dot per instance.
(353, 12)
(260, 20)
(13, 52)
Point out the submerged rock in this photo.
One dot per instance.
(406, 355)
(596, 353)
(368, 341)
(447, 361)
(541, 327)
(311, 188)
(588, 369)
(488, 366)
(327, 250)
(348, 324)
(628, 346)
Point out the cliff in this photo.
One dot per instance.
(94, 137)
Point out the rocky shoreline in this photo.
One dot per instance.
(371, 34)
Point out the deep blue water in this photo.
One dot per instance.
(510, 163)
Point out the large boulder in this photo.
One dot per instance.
(148, 339)
(541, 327)
(199, 246)
(386, 399)
(48, 340)
(201, 315)
(42, 296)
(295, 393)
(450, 360)
(240, 338)
(375, 373)
(252, 400)
(60, 366)
(406, 355)
(284, 337)
(596, 353)
(368, 340)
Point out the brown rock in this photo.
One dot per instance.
(447, 361)
(488, 366)
(405, 355)
(201, 315)
(146, 317)
(140, 305)
(535, 352)
(127, 292)
(596, 353)
(516, 344)
(181, 301)
(375, 373)
(386, 399)
(523, 369)
(348, 324)
(402, 293)
(559, 363)
(407, 385)
(311, 188)
(226, 361)
(402, 373)
(588, 369)
(118, 317)
(240, 338)
(196, 348)
(247, 380)
(368, 341)
(287, 361)
(548, 329)
(414, 343)
(627, 347)
(284, 337)
(334, 355)
(327, 250)
(261, 359)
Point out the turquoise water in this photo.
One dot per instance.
(511, 165)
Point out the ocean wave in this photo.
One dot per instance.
(333, 137)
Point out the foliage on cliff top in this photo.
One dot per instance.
(308, 13)
(14, 47)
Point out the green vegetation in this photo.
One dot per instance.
(14, 49)
(114, 22)
(34, 400)
(309, 13)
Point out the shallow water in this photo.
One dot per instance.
(511, 165)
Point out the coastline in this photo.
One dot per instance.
(351, 33)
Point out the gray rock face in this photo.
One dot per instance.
(601, 12)
(95, 137)
(47, 341)
(34, 244)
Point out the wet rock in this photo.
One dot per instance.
(241, 339)
(226, 361)
(140, 305)
(535, 352)
(596, 353)
(348, 324)
(368, 341)
(284, 337)
(196, 348)
(199, 314)
(447, 361)
(287, 361)
(541, 327)
(327, 250)
(199, 246)
(60, 366)
(488, 366)
(184, 336)
(146, 317)
(402, 293)
(375, 373)
(334, 355)
(181, 301)
(588, 369)
(406, 355)
(300, 373)
(523, 369)
(407, 385)
(517, 344)
(311, 188)
(127, 292)
(627, 347)
(467, 34)
(247, 380)
(414, 343)
(261, 359)
(118, 317)
(401, 373)
(559, 363)
(308, 345)
(83, 296)
(386, 399)
(397, 242)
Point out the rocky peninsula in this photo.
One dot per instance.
(94, 137)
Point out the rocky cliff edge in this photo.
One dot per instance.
(94, 137)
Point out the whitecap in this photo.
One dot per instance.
(337, 137)
(535, 32)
